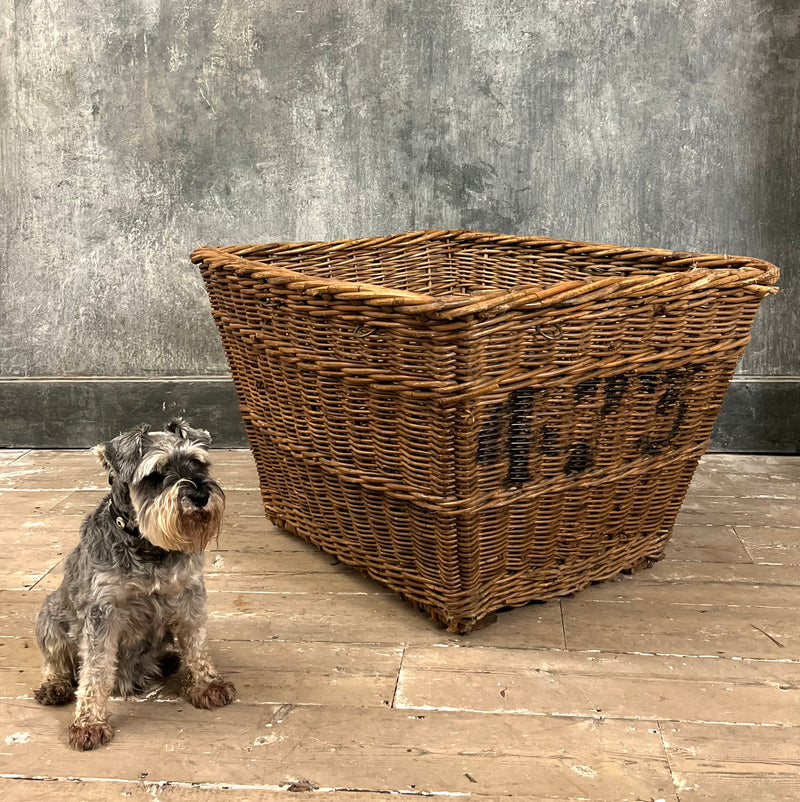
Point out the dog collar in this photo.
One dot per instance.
(119, 521)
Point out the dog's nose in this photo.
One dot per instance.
(198, 496)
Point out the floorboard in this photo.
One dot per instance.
(678, 683)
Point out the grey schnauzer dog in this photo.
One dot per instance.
(131, 608)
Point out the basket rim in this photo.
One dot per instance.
(691, 271)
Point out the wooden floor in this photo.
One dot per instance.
(677, 683)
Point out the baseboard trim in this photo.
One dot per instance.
(759, 415)
(81, 412)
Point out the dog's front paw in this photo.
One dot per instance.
(84, 737)
(54, 693)
(217, 693)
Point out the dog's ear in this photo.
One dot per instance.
(181, 428)
(100, 452)
(121, 456)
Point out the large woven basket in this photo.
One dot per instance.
(477, 420)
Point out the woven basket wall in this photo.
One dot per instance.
(476, 420)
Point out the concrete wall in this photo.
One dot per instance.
(136, 130)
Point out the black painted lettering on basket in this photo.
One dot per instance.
(654, 446)
(520, 435)
(615, 390)
(508, 433)
(668, 399)
(649, 381)
(580, 459)
(586, 389)
(493, 436)
(672, 402)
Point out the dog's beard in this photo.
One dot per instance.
(173, 523)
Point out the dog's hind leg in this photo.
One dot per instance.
(60, 654)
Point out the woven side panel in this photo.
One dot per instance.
(357, 470)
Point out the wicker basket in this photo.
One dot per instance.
(477, 420)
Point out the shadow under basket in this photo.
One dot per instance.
(475, 420)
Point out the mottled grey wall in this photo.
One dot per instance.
(135, 130)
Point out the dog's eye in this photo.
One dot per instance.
(155, 477)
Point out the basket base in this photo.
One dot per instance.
(466, 626)
(464, 623)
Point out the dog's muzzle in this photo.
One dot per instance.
(185, 517)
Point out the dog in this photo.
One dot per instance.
(131, 608)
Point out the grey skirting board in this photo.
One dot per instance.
(758, 415)
(82, 412)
